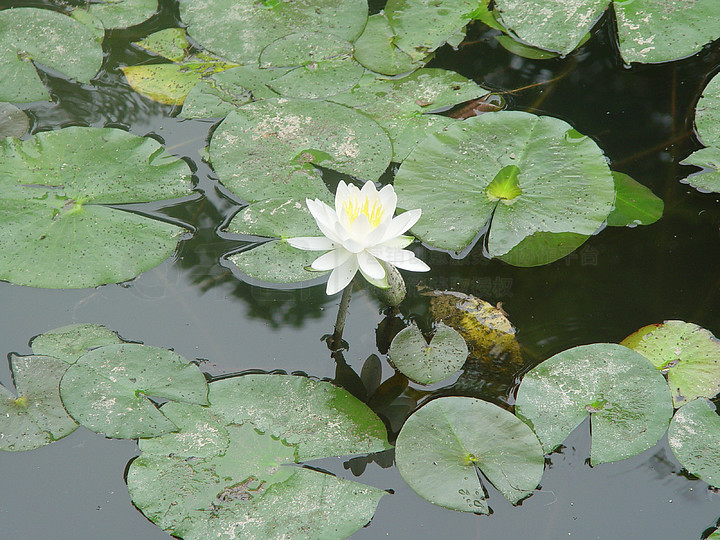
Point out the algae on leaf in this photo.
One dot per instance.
(56, 230)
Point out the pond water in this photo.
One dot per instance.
(619, 281)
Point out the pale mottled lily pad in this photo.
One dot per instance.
(625, 396)
(687, 353)
(13, 121)
(50, 39)
(441, 446)
(107, 389)
(693, 437)
(376, 50)
(524, 174)
(425, 362)
(55, 230)
(69, 343)
(121, 13)
(36, 416)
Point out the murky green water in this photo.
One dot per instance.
(617, 282)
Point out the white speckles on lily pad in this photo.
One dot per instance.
(693, 437)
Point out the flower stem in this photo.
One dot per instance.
(336, 343)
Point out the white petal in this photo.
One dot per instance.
(341, 196)
(377, 234)
(312, 243)
(401, 258)
(325, 218)
(402, 223)
(389, 201)
(331, 260)
(370, 266)
(342, 276)
(414, 265)
(369, 190)
(353, 246)
(361, 229)
(398, 242)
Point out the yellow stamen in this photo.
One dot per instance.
(374, 212)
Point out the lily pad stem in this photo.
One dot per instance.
(336, 343)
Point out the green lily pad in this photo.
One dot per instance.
(428, 363)
(707, 114)
(221, 474)
(171, 83)
(13, 121)
(625, 396)
(707, 180)
(321, 65)
(218, 94)
(376, 50)
(562, 177)
(55, 231)
(635, 204)
(715, 535)
(266, 149)
(121, 13)
(443, 444)
(687, 353)
(693, 437)
(106, 389)
(421, 26)
(648, 30)
(47, 38)
(320, 418)
(276, 262)
(69, 343)
(401, 105)
(35, 417)
(543, 248)
(248, 26)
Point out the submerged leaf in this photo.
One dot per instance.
(625, 396)
(13, 121)
(687, 353)
(441, 445)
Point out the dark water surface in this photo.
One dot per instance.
(618, 281)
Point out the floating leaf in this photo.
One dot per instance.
(321, 65)
(635, 204)
(626, 398)
(222, 475)
(218, 94)
(715, 535)
(687, 353)
(443, 444)
(707, 180)
(249, 26)
(35, 417)
(276, 262)
(13, 121)
(400, 105)
(321, 419)
(428, 363)
(47, 38)
(55, 231)
(564, 182)
(171, 83)
(121, 13)
(266, 149)
(421, 26)
(106, 389)
(648, 30)
(543, 247)
(693, 437)
(69, 343)
(376, 50)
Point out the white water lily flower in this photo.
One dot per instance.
(360, 233)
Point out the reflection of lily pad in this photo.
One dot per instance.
(221, 475)
(689, 354)
(13, 121)
(54, 228)
(171, 83)
(266, 149)
(248, 26)
(648, 30)
(441, 445)
(563, 184)
(401, 105)
(425, 362)
(321, 65)
(70, 342)
(35, 417)
(106, 389)
(50, 39)
(635, 204)
(693, 437)
(626, 398)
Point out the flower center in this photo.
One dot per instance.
(373, 211)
